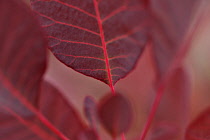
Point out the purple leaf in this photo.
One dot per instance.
(170, 25)
(173, 113)
(101, 39)
(115, 114)
(30, 109)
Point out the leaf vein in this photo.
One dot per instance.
(135, 30)
(76, 42)
(87, 57)
(6, 82)
(67, 24)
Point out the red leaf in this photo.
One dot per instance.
(115, 114)
(90, 109)
(22, 52)
(25, 111)
(173, 112)
(88, 134)
(199, 129)
(170, 22)
(52, 117)
(101, 39)
(59, 112)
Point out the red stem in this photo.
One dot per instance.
(123, 136)
(98, 17)
(163, 83)
(153, 111)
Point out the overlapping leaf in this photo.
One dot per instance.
(53, 118)
(170, 23)
(28, 111)
(173, 113)
(99, 38)
(115, 114)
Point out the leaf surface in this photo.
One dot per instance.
(115, 114)
(99, 38)
(199, 129)
(30, 109)
(171, 20)
(88, 134)
(54, 117)
(173, 113)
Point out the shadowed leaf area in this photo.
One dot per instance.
(30, 108)
(115, 114)
(171, 21)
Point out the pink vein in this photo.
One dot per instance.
(104, 46)
(7, 84)
(119, 68)
(119, 56)
(104, 69)
(33, 127)
(135, 30)
(185, 47)
(68, 5)
(123, 136)
(71, 6)
(80, 56)
(121, 9)
(76, 42)
(93, 69)
(67, 24)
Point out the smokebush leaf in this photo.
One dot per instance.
(88, 134)
(115, 114)
(102, 39)
(57, 110)
(29, 108)
(173, 112)
(19, 122)
(22, 48)
(170, 24)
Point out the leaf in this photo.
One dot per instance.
(22, 52)
(101, 39)
(88, 134)
(199, 129)
(170, 20)
(115, 114)
(57, 110)
(90, 109)
(29, 108)
(52, 118)
(173, 112)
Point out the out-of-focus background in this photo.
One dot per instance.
(137, 85)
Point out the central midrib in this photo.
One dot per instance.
(104, 46)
